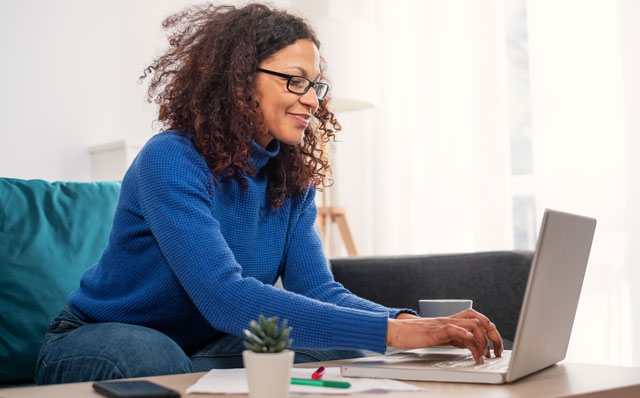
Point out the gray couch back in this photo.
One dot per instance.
(495, 281)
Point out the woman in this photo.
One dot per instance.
(215, 209)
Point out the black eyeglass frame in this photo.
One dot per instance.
(310, 84)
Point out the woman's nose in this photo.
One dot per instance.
(310, 98)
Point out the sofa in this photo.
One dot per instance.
(50, 232)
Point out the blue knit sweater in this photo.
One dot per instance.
(188, 257)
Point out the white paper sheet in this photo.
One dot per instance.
(234, 381)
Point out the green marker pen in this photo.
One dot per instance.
(321, 383)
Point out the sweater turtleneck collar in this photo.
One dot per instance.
(260, 156)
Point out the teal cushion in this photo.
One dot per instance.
(50, 233)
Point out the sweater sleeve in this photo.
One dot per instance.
(306, 269)
(176, 203)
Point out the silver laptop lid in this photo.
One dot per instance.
(552, 293)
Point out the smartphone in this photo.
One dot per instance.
(133, 389)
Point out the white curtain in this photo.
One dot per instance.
(428, 170)
(584, 65)
(630, 33)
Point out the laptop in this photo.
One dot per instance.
(544, 327)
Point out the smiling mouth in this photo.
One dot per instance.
(301, 120)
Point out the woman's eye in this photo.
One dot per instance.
(298, 83)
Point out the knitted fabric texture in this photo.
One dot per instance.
(189, 257)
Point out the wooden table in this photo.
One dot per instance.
(561, 380)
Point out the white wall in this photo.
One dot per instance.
(70, 73)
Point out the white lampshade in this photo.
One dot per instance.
(348, 47)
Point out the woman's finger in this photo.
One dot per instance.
(466, 338)
(475, 327)
(457, 344)
(489, 327)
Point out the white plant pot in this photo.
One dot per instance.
(268, 375)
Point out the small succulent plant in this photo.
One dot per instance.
(265, 337)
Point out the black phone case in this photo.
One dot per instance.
(133, 389)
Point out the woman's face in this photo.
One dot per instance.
(287, 114)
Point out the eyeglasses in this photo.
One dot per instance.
(300, 85)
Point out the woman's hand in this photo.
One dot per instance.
(467, 329)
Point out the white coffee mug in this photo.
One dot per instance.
(444, 307)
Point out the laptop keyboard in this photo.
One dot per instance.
(493, 364)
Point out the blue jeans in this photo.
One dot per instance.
(75, 350)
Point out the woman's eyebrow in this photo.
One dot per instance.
(303, 72)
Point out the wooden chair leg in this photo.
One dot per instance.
(345, 231)
(326, 217)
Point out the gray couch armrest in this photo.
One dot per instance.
(495, 281)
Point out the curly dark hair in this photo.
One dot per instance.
(204, 84)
